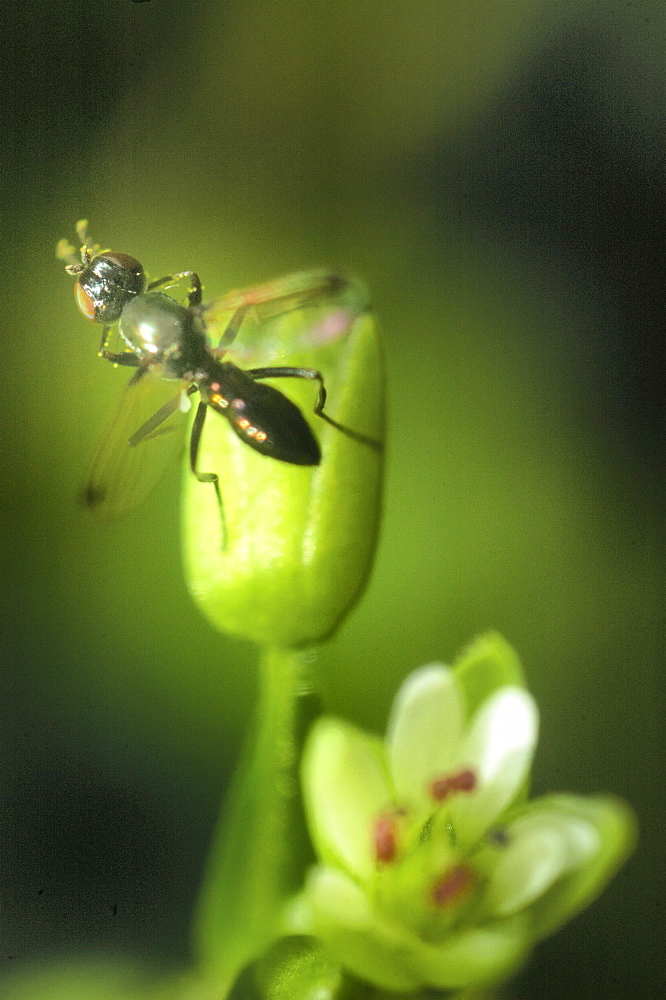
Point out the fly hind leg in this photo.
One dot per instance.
(320, 401)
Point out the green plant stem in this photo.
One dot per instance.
(257, 851)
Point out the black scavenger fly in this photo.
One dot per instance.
(166, 342)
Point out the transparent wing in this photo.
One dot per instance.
(295, 314)
(141, 437)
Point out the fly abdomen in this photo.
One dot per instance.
(260, 415)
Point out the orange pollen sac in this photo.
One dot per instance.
(452, 887)
(447, 784)
(385, 839)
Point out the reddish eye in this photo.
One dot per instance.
(84, 301)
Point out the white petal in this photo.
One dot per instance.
(498, 748)
(345, 787)
(479, 955)
(424, 729)
(334, 894)
(542, 848)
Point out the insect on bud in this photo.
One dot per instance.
(286, 552)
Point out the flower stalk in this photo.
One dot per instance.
(251, 866)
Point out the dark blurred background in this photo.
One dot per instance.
(495, 172)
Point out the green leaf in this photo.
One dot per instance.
(84, 979)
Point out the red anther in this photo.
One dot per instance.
(385, 839)
(462, 781)
(452, 886)
(440, 788)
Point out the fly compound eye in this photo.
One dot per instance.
(107, 284)
(85, 303)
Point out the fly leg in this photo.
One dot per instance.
(194, 294)
(233, 327)
(124, 358)
(313, 374)
(206, 477)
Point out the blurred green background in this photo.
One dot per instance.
(494, 170)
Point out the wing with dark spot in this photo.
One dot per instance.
(122, 475)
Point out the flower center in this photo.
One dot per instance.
(421, 880)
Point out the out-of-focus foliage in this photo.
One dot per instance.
(494, 172)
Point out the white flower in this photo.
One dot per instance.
(434, 870)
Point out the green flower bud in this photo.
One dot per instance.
(293, 548)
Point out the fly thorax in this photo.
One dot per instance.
(154, 326)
